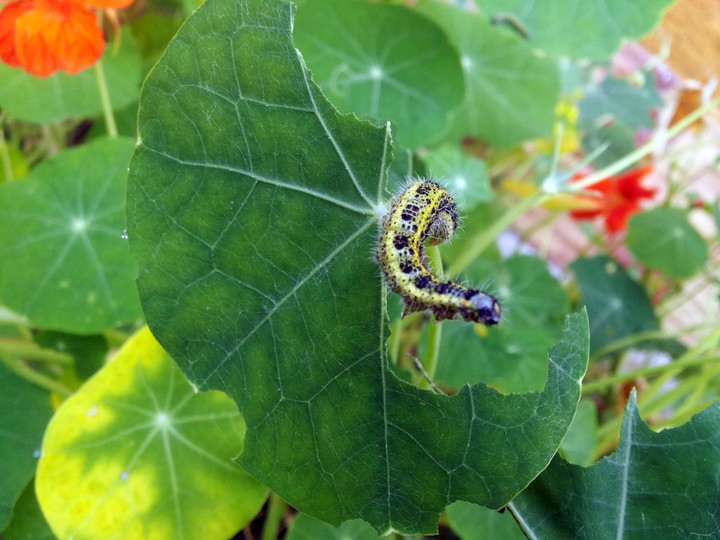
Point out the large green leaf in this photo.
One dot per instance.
(61, 238)
(253, 209)
(44, 100)
(137, 453)
(25, 411)
(383, 62)
(660, 485)
(511, 92)
(578, 28)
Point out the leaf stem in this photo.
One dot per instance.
(647, 148)
(33, 352)
(647, 371)
(105, 100)
(29, 374)
(4, 154)
(275, 514)
(435, 328)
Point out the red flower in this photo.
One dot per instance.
(619, 198)
(44, 36)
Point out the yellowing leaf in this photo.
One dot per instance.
(136, 453)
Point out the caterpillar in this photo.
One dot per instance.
(425, 211)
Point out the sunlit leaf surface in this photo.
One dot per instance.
(136, 453)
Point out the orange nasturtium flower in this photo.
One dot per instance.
(44, 36)
(619, 197)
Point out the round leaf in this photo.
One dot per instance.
(61, 233)
(511, 92)
(253, 208)
(465, 176)
(136, 453)
(383, 62)
(663, 238)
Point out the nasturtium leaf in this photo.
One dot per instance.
(662, 485)
(465, 176)
(253, 209)
(45, 100)
(25, 413)
(577, 28)
(137, 453)
(664, 239)
(474, 522)
(511, 92)
(510, 356)
(61, 232)
(617, 305)
(305, 527)
(382, 62)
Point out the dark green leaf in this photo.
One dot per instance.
(253, 209)
(577, 28)
(473, 522)
(465, 176)
(61, 233)
(72, 96)
(662, 485)
(383, 62)
(511, 92)
(305, 527)
(617, 305)
(663, 238)
(25, 413)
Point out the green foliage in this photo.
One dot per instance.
(61, 230)
(661, 481)
(267, 151)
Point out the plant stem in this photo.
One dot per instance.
(646, 371)
(35, 377)
(435, 328)
(33, 352)
(105, 100)
(647, 148)
(4, 154)
(275, 514)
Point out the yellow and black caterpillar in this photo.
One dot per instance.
(425, 211)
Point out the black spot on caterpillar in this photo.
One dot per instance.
(425, 211)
